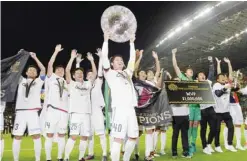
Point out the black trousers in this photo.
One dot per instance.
(208, 118)
(226, 117)
(180, 123)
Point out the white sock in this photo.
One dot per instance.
(137, 146)
(155, 139)
(115, 151)
(103, 144)
(148, 144)
(37, 148)
(69, 147)
(238, 135)
(124, 142)
(82, 148)
(111, 142)
(16, 149)
(61, 145)
(163, 141)
(129, 147)
(1, 148)
(91, 145)
(48, 148)
(245, 135)
(225, 133)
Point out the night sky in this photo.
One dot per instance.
(39, 26)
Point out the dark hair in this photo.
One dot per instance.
(218, 75)
(89, 70)
(188, 68)
(197, 75)
(140, 71)
(32, 66)
(59, 66)
(81, 69)
(113, 57)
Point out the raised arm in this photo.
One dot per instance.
(218, 65)
(52, 60)
(137, 63)
(174, 62)
(40, 65)
(131, 63)
(106, 62)
(69, 65)
(157, 64)
(100, 67)
(160, 79)
(211, 69)
(94, 69)
(229, 68)
(78, 60)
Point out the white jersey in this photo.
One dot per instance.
(28, 96)
(80, 99)
(222, 102)
(180, 109)
(122, 89)
(57, 92)
(96, 94)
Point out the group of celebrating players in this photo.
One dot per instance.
(78, 103)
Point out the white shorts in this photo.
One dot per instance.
(124, 123)
(236, 113)
(26, 119)
(80, 124)
(246, 121)
(149, 128)
(1, 122)
(56, 121)
(97, 121)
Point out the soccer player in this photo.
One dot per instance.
(97, 117)
(124, 121)
(244, 92)
(180, 123)
(79, 106)
(222, 95)
(2, 108)
(152, 79)
(195, 113)
(208, 113)
(57, 107)
(235, 108)
(27, 106)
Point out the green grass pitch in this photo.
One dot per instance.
(27, 152)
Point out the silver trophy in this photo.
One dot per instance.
(120, 22)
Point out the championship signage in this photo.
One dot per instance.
(182, 92)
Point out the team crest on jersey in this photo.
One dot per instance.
(81, 88)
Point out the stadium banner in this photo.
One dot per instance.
(153, 107)
(182, 92)
(11, 70)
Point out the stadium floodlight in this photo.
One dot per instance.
(178, 29)
(171, 34)
(187, 23)
(220, 3)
